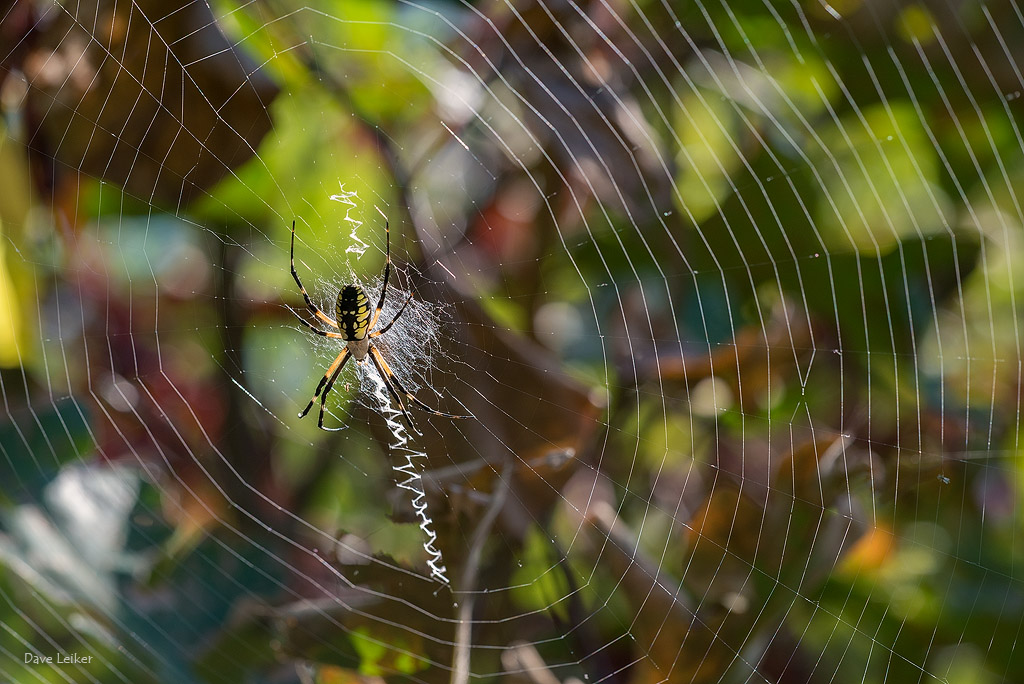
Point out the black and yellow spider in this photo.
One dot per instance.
(357, 328)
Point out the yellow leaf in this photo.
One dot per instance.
(10, 318)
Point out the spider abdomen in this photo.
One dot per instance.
(353, 312)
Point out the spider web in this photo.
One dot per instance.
(727, 287)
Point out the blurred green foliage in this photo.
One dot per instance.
(762, 259)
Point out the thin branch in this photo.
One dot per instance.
(523, 657)
(467, 583)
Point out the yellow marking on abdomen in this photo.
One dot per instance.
(353, 309)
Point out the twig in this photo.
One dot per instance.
(524, 657)
(467, 583)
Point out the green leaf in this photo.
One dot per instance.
(36, 443)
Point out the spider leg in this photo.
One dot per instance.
(388, 326)
(309, 325)
(323, 400)
(309, 302)
(386, 377)
(332, 372)
(383, 365)
(387, 273)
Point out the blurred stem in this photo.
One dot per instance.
(467, 583)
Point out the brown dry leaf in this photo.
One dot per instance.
(756, 359)
(747, 561)
(148, 95)
(723, 541)
(531, 420)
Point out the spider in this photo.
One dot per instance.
(357, 328)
